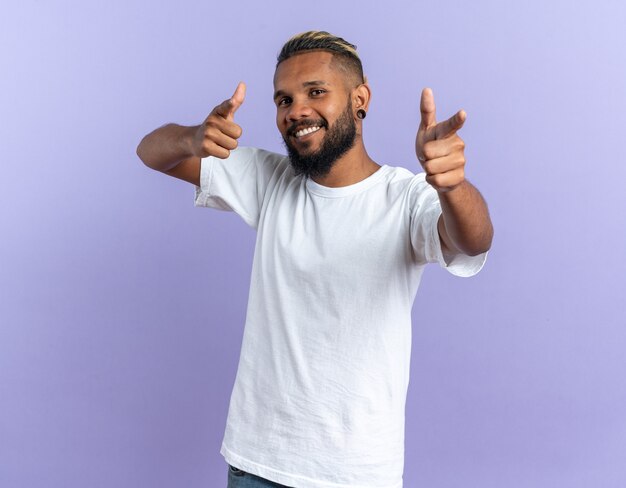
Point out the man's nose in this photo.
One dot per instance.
(299, 109)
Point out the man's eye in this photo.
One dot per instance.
(317, 91)
(284, 101)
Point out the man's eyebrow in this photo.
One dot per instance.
(314, 83)
(280, 93)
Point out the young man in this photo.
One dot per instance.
(342, 241)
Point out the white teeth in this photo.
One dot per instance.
(308, 130)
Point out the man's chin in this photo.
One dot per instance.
(304, 150)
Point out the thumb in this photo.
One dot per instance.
(427, 109)
(228, 107)
(237, 99)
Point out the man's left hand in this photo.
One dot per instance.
(438, 147)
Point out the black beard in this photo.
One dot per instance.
(339, 139)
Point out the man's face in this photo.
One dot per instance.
(313, 112)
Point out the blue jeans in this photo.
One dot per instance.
(241, 479)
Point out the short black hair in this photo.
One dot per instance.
(342, 50)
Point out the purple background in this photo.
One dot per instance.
(122, 306)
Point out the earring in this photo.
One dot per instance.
(360, 113)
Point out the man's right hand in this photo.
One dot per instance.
(218, 134)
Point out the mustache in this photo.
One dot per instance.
(303, 124)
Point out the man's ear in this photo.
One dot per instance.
(361, 96)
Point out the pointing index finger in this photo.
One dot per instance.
(450, 126)
(228, 107)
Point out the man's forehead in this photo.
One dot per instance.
(307, 66)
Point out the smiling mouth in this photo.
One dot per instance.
(306, 131)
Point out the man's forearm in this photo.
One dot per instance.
(165, 147)
(466, 220)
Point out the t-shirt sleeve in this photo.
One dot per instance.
(425, 209)
(238, 183)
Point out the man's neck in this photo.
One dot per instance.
(352, 167)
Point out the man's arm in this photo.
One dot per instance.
(464, 226)
(177, 150)
(165, 147)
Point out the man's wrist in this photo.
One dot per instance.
(452, 191)
(186, 139)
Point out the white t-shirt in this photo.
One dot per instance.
(320, 391)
